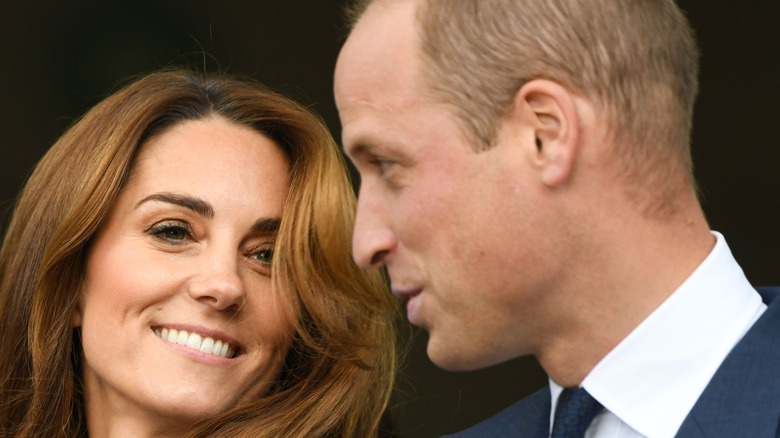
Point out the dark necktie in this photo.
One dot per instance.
(576, 409)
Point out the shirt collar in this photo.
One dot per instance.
(652, 379)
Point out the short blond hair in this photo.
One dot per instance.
(637, 61)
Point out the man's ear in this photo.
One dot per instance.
(552, 129)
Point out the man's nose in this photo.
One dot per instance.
(374, 239)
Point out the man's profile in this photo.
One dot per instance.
(526, 180)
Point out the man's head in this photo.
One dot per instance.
(637, 60)
(471, 122)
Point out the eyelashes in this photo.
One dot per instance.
(171, 231)
(176, 232)
(263, 254)
(382, 165)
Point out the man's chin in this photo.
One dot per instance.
(452, 356)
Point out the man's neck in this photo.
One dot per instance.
(632, 266)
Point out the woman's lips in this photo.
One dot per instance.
(196, 341)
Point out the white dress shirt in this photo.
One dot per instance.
(650, 381)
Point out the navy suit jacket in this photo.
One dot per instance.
(741, 401)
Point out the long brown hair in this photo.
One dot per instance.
(339, 371)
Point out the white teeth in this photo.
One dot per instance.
(193, 341)
(197, 342)
(207, 346)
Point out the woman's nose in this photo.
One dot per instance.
(218, 283)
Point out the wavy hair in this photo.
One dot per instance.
(338, 374)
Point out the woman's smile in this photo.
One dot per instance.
(198, 342)
(181, 272)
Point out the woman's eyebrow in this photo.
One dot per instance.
(267, 225)
(197, 205)
(203, 208)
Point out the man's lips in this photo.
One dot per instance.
(406, 293)
(413, 299)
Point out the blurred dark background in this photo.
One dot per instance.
(58, 58)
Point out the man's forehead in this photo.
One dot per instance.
(378, 64)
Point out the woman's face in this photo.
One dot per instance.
(178, 320)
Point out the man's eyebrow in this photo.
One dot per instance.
(359, 148)
(199, 206)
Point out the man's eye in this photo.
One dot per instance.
(392, 172)
(170, 231)
(381, 163)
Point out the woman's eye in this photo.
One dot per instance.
(170, 231)
(264, 255)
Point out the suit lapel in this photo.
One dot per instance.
(528, 418)
(743, 397)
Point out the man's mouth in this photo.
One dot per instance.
(205, 344)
